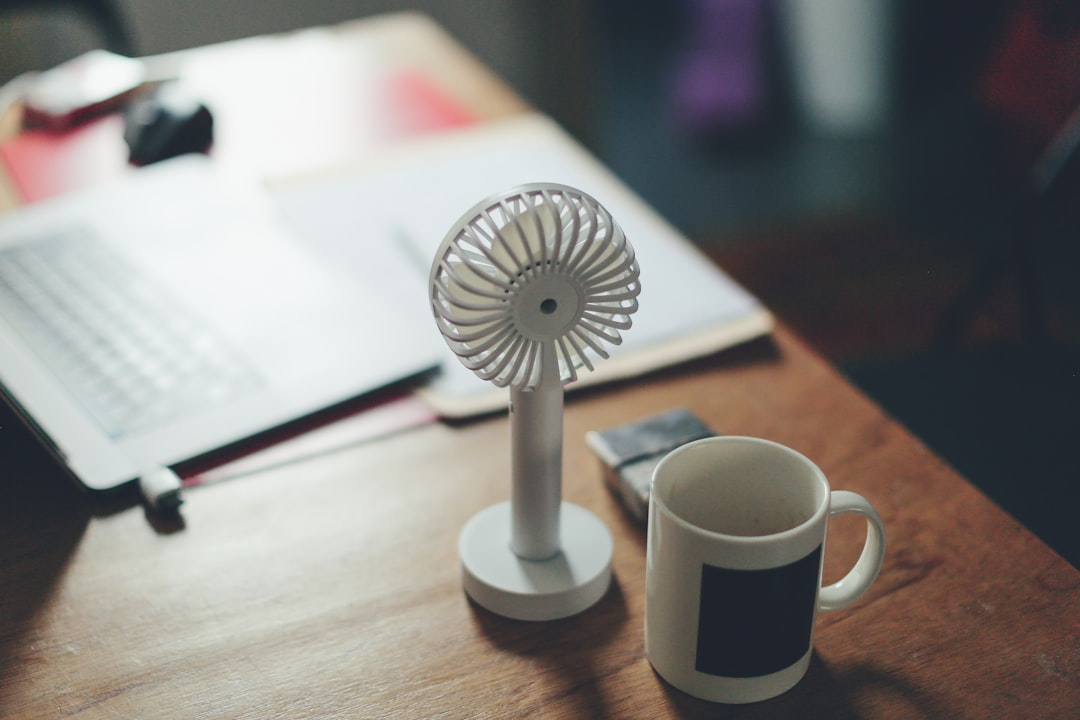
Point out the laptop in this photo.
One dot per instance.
(172, 313)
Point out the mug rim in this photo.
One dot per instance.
(821, 510)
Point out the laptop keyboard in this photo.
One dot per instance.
(130, 354)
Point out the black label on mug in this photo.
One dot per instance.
(756, 622)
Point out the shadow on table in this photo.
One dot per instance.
(575, 650)
(43, 516)
(826, 692)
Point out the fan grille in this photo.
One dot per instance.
(540, 268)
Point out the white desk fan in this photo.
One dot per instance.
(525, 287)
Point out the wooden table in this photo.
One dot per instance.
(330, 587)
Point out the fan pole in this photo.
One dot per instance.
(536, 435)
(536, 470)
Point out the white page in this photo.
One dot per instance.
(389, 217)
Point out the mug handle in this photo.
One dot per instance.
(858, 580)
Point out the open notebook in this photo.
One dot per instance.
(413, 194)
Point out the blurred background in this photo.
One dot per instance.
(894, 178)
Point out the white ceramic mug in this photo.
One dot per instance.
(733, 566)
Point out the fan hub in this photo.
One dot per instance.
(547, 306)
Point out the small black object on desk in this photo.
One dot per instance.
(165, 123)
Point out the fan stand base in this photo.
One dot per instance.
(564, 585)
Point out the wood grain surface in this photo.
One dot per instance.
(331, 588)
